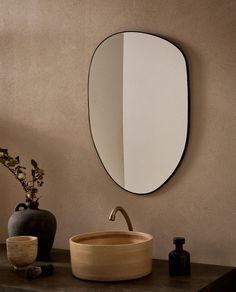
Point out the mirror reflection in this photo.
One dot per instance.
(138, 109)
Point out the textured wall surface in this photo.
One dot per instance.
(45, 51)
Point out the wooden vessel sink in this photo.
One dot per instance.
(111, 256)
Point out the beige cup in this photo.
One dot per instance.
(22, 250)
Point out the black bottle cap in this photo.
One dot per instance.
(179, 240)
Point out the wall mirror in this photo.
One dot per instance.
(138, 109)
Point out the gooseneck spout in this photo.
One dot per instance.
(112, 216)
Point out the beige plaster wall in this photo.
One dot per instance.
(45, 51)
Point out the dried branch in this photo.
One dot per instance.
(13, 164)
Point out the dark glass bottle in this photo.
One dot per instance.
(179, 259)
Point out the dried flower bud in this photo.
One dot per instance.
(30, 184)
(21, 175)
(28, 195)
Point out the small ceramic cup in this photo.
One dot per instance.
(22, 250)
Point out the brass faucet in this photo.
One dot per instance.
(112, 216)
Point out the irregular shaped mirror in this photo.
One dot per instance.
(138, 109)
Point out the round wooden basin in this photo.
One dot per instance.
(111, 256)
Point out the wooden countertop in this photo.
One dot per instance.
(203, 278)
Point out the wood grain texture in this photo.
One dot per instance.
(111, 256)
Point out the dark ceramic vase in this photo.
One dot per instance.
(35, 222)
